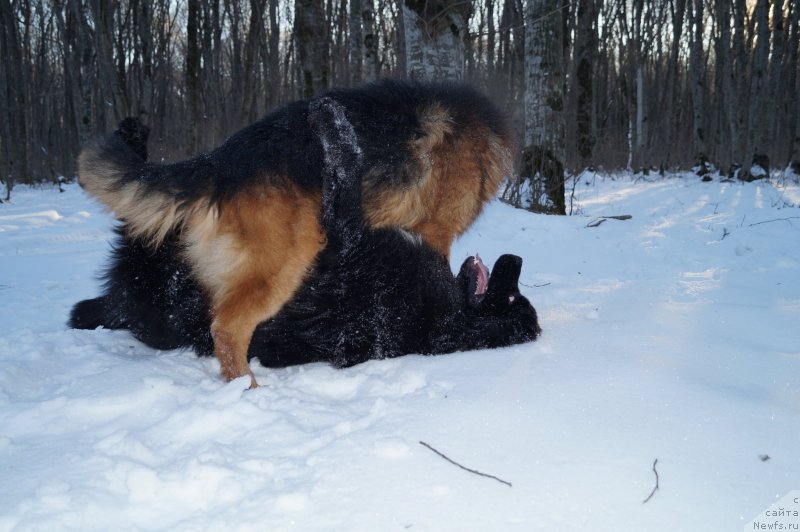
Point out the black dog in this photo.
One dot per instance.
(374, 293)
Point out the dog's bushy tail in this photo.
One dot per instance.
(151, 199)
(342, 171)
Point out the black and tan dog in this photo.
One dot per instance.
(246, 216)
(374, 293)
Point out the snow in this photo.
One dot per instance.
(674, 335)
(757, 171)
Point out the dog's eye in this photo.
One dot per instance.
(511, 299)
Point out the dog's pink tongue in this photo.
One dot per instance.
(482, 273)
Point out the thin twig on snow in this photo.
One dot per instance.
(656, 487)
(602, 219)
(474, 472)
(535, 285)
(776, 220)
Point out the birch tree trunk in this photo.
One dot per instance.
(543, 153)
(356, 40)
(434, 35)
(312, 46)
(369, 62)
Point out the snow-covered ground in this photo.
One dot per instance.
(674, 335)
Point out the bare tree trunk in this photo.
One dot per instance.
(490, 38)
(672, 84)
(251, 61)
(369, 71)
(757, 86)
(641, 134)
(217, 103)
(274, 73)
(8, 103)
(144, 17)
(16, 164)
(434, 38)
(193, 75)
(356, 41)
(112, 104)
(586, 48)
(729, 88)
(775, 98)
(740, 77)
(311, 42)
(696, 61)
(794, 89)
(543, 154)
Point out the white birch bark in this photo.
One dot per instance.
(355, 43)
(369, 65)
(433, 35)
(312, 46)
(544, 102)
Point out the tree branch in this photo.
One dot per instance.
(602, 219)
(474, 472)
(656, 487)
(776, 220)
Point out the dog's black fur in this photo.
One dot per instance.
(374, 293)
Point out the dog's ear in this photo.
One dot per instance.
(504, 302)
(503, 289)
(468, 281)
(505, 275)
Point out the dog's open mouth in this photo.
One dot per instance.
(481, 273)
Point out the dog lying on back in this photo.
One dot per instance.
(374, 293)
(245, 216)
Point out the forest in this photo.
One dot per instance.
(647, 86)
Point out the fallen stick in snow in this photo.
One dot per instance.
(535, 285)
(776, 220)
(464, 468)
(654, 489)
(602, 219)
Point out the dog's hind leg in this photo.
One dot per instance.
(251, 262)
(235, 319)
